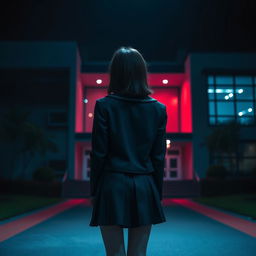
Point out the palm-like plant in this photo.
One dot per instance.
(223, 140)
(23, 140)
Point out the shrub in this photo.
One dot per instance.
(44, 174)
(216, 171)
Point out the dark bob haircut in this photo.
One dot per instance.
(128, 73)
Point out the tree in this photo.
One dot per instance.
(223, 140)
(23, 139)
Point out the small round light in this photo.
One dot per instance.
(249, 109)
(98, 81)
(90, 115)
(168, 141)
(226, 97)
(240, 113)
(230, 95)
(85, 101)
(165, 81)
(240, 91)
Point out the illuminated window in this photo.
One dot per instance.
(231, 98)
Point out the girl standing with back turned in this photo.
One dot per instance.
(127, 157)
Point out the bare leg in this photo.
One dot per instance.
(138, 240)
(113, 238)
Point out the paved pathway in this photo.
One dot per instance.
(191, 229)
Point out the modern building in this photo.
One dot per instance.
(201, 91)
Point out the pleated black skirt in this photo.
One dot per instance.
(127, 200)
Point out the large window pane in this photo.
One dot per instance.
(224, 119)
(224, 80)
(212, 120)
(224, 92)
(225, 108)
(211, 108)
(243, 80)
(244, 93)
(245, 120)
(210, 80)
(244, 108)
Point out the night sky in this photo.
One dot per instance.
(160, 29)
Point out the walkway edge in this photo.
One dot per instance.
(240, 224)
(14, 227)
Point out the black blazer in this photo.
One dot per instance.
(128, 135)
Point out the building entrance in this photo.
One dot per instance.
(172, 168)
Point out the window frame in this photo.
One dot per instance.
(234, 117)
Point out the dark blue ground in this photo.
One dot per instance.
(185, 233)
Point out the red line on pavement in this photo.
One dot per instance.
(240, 224)
(14, 227)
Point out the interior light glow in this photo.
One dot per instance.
(165, 81)
(90, 115)
(85, 100)
(220, 90)
(98, 81)
(240, 113)
(230, 95)
(226, 97)
(240, 91)
(249, 109)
